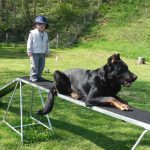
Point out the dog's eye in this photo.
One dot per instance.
(119, 71)
(117, 68)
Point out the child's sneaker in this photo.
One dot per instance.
(41, 79)
(34, 80)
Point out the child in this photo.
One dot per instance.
(37, 48)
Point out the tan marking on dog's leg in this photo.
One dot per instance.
(74, 95)
(115, 103)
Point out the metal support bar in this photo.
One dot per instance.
(21, 112)
(139, 139)
(31, 124)
(50, 126)
(39, 122)
(6, 113)
(31, 105)
(11, 127)
(10, 101)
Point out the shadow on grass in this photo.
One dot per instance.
(101, 140)
(13, 53)
(36, 134)
(17, 53)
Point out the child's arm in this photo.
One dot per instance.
(29, 45)
(47, 48)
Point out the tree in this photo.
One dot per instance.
(66, 17)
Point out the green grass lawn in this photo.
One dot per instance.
(125, 28)
(75, 127)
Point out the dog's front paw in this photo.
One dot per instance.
(75, 95)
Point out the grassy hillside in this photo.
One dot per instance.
(124, 27)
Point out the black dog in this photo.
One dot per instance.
(96, 87)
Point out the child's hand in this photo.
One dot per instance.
(29, 54)
(47, 54)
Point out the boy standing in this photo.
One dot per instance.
(37, 48)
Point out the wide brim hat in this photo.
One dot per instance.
(41, 19)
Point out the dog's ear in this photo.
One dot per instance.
(113, 58)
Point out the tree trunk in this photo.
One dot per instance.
(99, 3)
(2, 9)
(6, 37)
(35, 8)
(14, 21)
(26, 13)
(105, 1)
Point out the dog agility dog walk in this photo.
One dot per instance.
(96, 87)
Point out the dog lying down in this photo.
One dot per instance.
(96, 87)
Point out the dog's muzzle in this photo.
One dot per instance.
(128, 82)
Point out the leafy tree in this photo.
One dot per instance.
(66, 17)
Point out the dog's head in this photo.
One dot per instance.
(118, 70)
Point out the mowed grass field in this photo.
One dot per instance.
(75, 127)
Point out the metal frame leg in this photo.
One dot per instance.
(10, 102)
(139, 139)
(21, 112)
(31, 101)
(42, 101)
(39, 122)
(5, 115)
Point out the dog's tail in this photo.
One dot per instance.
(50, 103)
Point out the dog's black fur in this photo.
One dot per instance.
(97, 87)
(50, 103)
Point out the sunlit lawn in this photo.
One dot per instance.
(75, 127)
